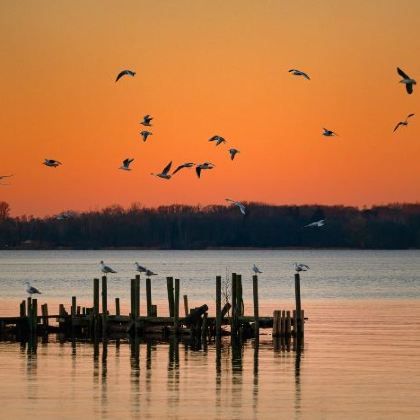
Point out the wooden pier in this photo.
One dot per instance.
(96, 322)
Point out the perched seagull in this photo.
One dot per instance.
(201, 166)
(65, 215)
(150, 273)
(146, 121)
(140, 268)
(125, 73)
(407, 80)
(301, 267)
(52, 163)
(218, 140)
(184, 165)
(164, 174)
(296, 72)
(403, 123)
(233, 153)
(238, 204)
(256, 270)
(31, 290)
(145, 134)
(328, 133)
(126, 164)
(318, 223)
(106, 269)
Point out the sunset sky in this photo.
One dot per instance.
(206, 68)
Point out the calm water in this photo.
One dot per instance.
(361, 356)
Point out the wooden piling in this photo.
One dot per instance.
(283, 323)
(298, 320)
(34, 315)
(73, 306)
(95, 297)
(149, 296)
(22, 309)
(233, 326)
(132, 298)
(117, 307)
(218, 305)
(288, 324)
(104, 305)
(153, 311)
(302, 322)
(78, 310)
(204, 327)
(256, 308)
(44, 311)
(276, 323)
(186, 310)
(239, 300)
(137, 294)
(176, 306)
(170, 287)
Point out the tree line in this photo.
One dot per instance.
(393, 226)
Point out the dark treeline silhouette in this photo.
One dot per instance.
(395, 226)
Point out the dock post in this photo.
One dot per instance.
(218, 305)
(239, 303)
(302, 322)
(170, 287)
(186, 310)
(73, 306)
(34, 315)
(204, 328)
(117, 307)
(44, 311)
(29, 313)
(276, 323)
(137, 295)
(176, 306)
(132, 298)
(95, 305)
(22, 309)
(153, 310)
(104, 305)
(233, 324)
(256, 308)
(298, 327)
(149, 296)
(288, 324)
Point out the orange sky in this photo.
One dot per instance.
(205, 68)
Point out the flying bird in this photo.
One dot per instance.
(31, 290)
(301, 267)
(238, 204)
(233, 152)
(146, 121)
(125, 73)
(165, 173)
(256, 270)
(145, 134)
(318, 223)
(184, 165)
(218, 140)
(296, 72)
(51, 163)
(403, 123)
(201, 166)
(328, 133)
(5, 176)
(407, 80)
(126, 164)
(140, 268)
(106, 269)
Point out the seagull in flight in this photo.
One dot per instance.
(201, 166)
(140, 268)
(106, 269)
(218, 140)
(407, 80)
(145, 134)
(318, 223)
(126, 164)
(296, 72)
(256, 270)
(403, 123)
(184, 165)
(301, 267)
(146, 120)
(51, 163)
(165, 173)
(5, 176)
(31, 290)
(238, 204)
(328, 133)
(233, 152)
(125, 73)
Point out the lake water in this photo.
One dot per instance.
(361, 355)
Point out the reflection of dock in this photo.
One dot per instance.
(96, 322)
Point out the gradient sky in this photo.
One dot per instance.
(205, 68)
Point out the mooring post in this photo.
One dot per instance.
(29, 313)
(239, 302)
(34, 315)
(132, 298)
(288, 324)
(153, 311)
(73, 306)
(104, 305)
(186, 310)
(95, 305)
(22, 309)
(44, 310)
(298, 327)
(233, 324)
(137, 290)
(256, 308)
(218, 305)
(176, 306)
(204, 328)
(276, 323)
(149, 296)
(170, 287)
(302, 322)
(117, 307)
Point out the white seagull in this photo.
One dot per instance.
(296, 72)
(146, 120)
(125, 73)
(31, 290)
(256, 270)
(126, 164)
(233, 152)
(218, 140)
(407, 80)
(403, 123)
(318, 223)
(201, 166)
(328, 133)
(184, 165)
(106, 269)
(165, 173)
(301, 267)
(145, 134)
(65, 215)
(51, 163)
(150, 273)
(238, 204)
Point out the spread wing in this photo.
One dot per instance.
(409, 88)
(396, 127)
(167, 167)
(410, 115)
(198, 171)
(402, 74)
(178, 169)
